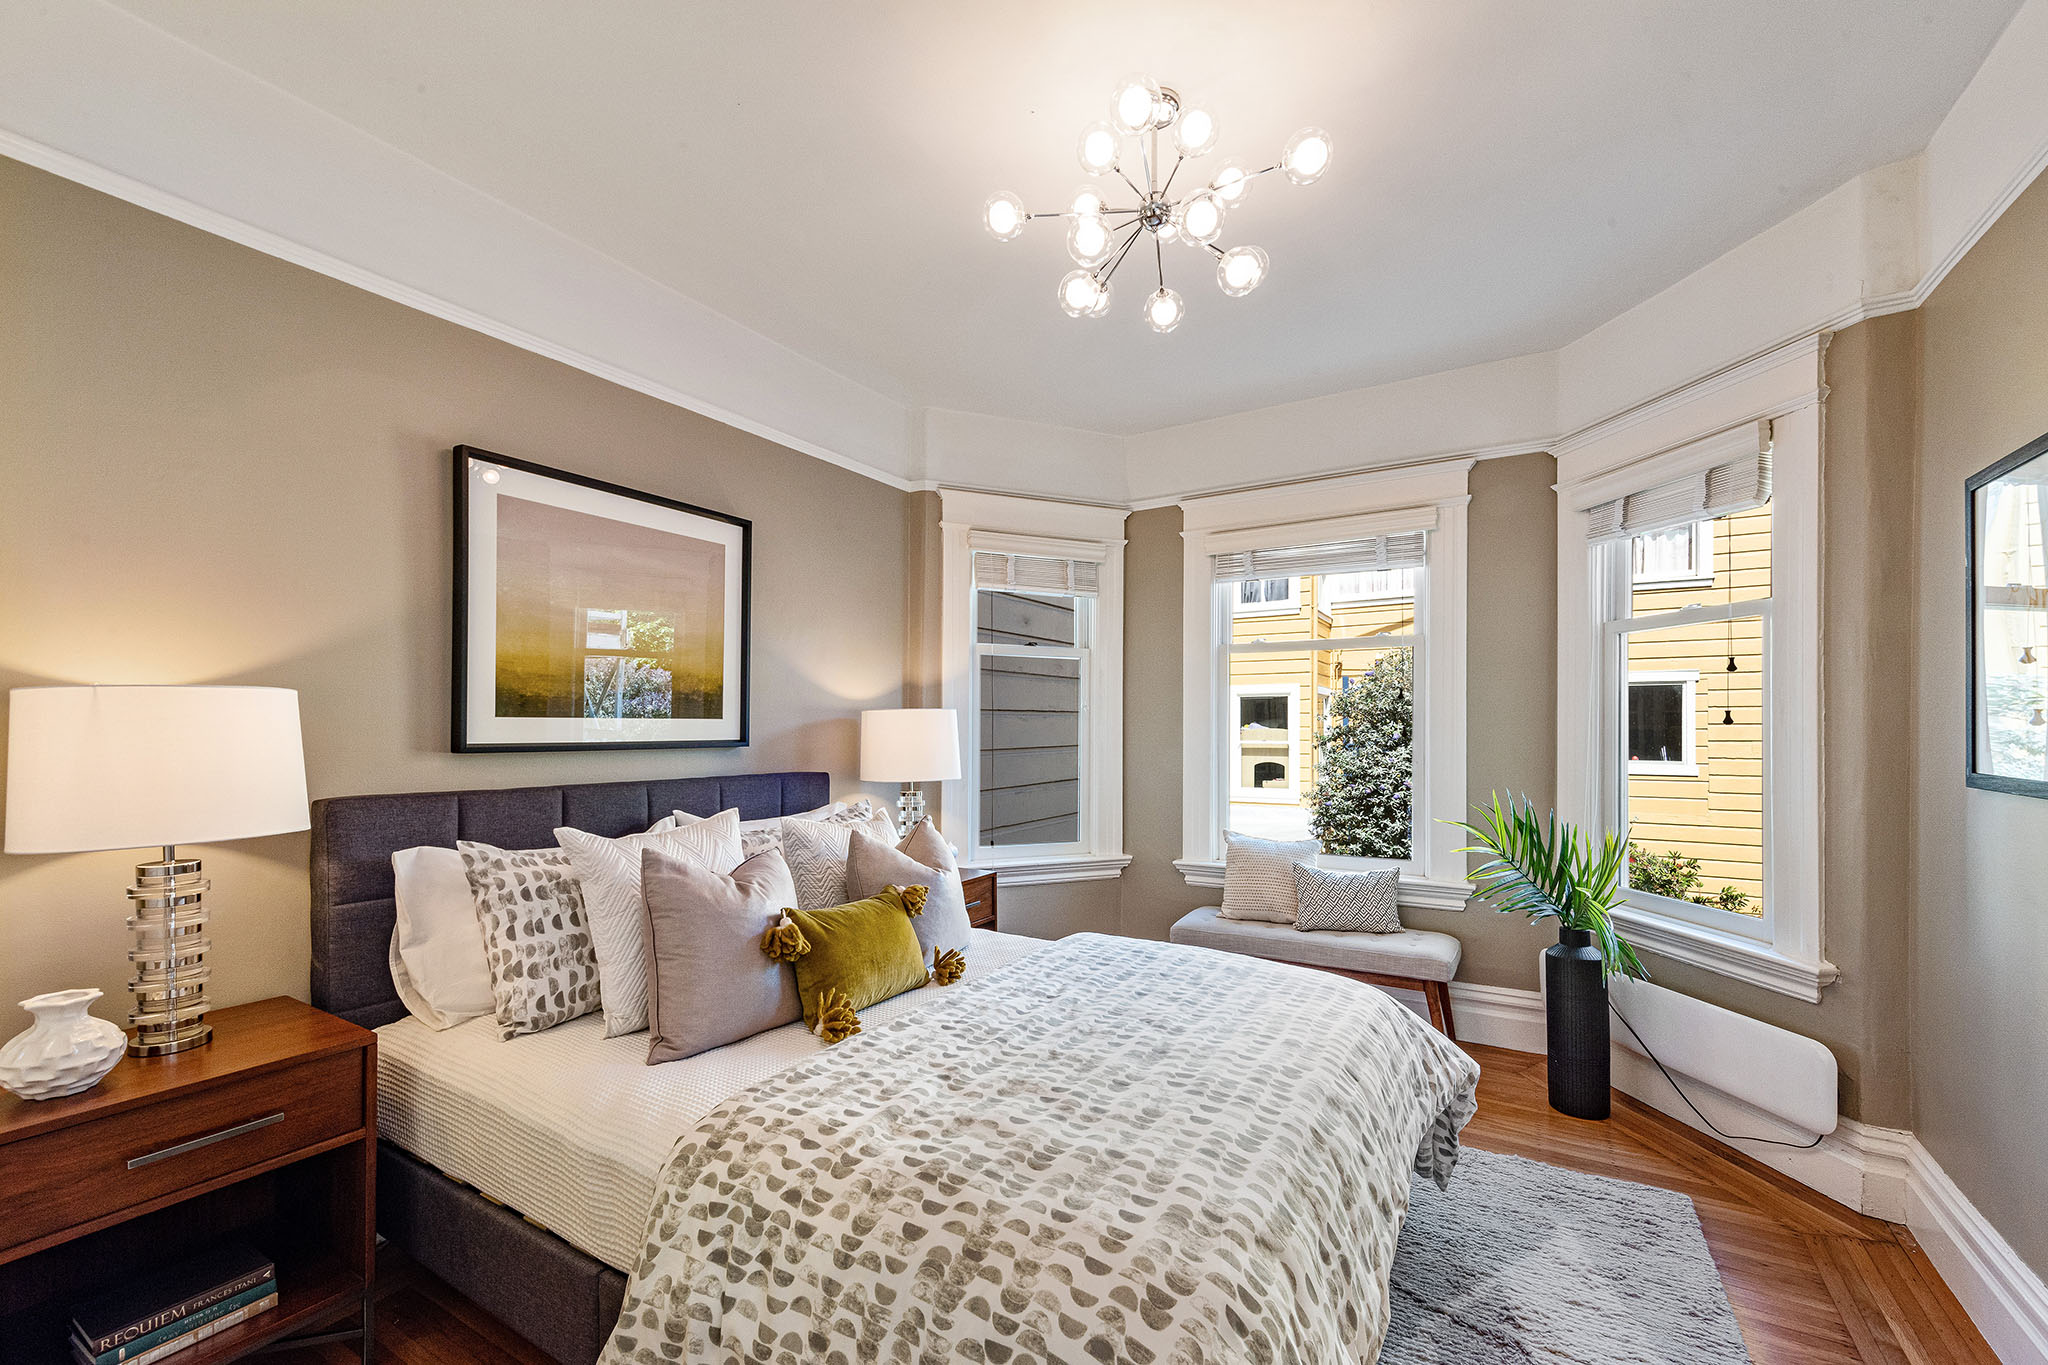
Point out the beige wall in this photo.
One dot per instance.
(218, 467)
(1979, 1005)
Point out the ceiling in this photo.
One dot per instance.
(1507, 175)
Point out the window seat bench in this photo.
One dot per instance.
(1413, 959)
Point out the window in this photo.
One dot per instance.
(1661, 722)
(1030, 643)
(1674, 555)
(1725, 871)
(1031, 659)
(1266, 597)
(1337, 713)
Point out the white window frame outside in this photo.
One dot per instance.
(1288, 606)
(1689, 765)
(1707, 424)
(1338, 599)
(1001, 524)
(1695, 576)
(1432, 497)
(1273, 796)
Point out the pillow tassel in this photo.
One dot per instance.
(948, 966)
(836, 1019)
(914, 898)
(785, 942)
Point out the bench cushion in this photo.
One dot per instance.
(1413, 953)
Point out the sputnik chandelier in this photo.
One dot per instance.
(1141, 110)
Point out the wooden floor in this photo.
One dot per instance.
(1811, 1282)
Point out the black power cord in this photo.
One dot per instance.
(1731, 1137)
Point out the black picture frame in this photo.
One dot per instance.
(461, 740)
(1973, 607)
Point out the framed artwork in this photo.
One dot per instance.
(589, 616)
(2004, 511)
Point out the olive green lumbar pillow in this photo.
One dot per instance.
(849, 957)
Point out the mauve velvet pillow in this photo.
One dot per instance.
(922, 859)
(708, 982)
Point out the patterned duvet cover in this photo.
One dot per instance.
(1110, 1151)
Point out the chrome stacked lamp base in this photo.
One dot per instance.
(169, 957)
(910, 806)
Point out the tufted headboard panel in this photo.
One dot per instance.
(355, 836)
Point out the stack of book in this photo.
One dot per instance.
(162, 1312)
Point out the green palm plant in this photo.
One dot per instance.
(1544, 868)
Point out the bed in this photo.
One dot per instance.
(1151, 1092)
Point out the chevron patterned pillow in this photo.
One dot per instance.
(1359, 902)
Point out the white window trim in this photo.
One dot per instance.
(1290, 794)
(1289, 607)
(1714, 421)
(1689, 766)
(1431, 496)
(969, 522)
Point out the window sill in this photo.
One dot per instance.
(1417, 893)
(1730, 955)
(1063, 867)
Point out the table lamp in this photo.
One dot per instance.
(911, 747)
(92, 768)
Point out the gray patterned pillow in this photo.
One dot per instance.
(543, 967)
(1357, 902)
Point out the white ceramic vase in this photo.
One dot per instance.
(65, 1051)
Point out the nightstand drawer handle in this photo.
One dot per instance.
(196, 1143)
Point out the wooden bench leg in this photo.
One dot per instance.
(1439, 993)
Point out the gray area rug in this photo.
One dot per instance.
(1519, 1261)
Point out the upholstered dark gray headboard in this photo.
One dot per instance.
(355, 836)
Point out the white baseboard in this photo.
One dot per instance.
(1883, 1172)
(2000, 1292)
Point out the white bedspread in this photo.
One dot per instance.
(571, 1128)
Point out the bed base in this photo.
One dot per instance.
(532, 1281)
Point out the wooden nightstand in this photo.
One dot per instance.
(980, 889)
(267, 1134)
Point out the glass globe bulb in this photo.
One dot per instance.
(1098, 149)
(1086, 202)
(1134, 107)
(1195, 133)
(1088, 240)
(1003, 215)
(1231, 183)
(1101, 305)
(1240, 270)
(1168, 231)
(1080, 294)
(1164, 310)
(1307, 156)
(1201, 218)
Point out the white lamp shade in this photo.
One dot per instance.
(140, 767)
(920, 745)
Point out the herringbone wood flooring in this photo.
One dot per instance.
(1812, 1283)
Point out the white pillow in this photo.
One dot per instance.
(816, 852)
(437, 945)
(1258, 877)
(758, 836)
(609, 871)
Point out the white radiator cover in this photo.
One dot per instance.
(1772, 1070)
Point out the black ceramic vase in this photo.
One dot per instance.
(1575, 988)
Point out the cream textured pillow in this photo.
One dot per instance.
(609, 871)
(437, 959)
(759, 836)
(708, 982)
(816, 852)
(536, 940)
(1258, 877)
(922, 859)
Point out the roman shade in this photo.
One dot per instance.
(1037, 573)
(1403, 550)
(1735, 486)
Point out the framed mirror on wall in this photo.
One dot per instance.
(2004, 511)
